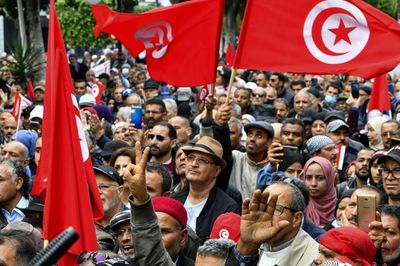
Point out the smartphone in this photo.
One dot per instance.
(289, 152)
(354, 90)
(366, 211)
(136, 116)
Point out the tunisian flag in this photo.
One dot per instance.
(181, 41)
(380, 95)
(65, 172)
(317, 37)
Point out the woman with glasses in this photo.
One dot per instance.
(319, 176)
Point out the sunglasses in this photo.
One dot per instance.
(258, 95)
(158, 137)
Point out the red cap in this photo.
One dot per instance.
(171, 207)
(227, 226)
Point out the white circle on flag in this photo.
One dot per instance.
(335, 31)
(95, 90)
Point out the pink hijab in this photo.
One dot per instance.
(320, 211)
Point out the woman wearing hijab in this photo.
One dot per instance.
(346, 245)
(319, 176)
(374, 133)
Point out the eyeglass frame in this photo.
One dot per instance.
(282, 210)
(159, 138)
(203, 161)
(390, 171)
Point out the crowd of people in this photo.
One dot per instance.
(272, 174)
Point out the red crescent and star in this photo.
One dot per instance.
(342, 32)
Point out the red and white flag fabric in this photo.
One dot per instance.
(65, 173)
(318, 37)
(20, 103)
(181, 41)
(340, 156)
(97, 90)
(379, 99)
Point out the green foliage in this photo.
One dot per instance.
(77, 24)
(9, 9)
(390, 7)
(26, 63)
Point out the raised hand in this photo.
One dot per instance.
(257, 225)
(376, 232)
(134, 175)
(275, 155)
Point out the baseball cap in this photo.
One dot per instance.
(261, 125)
(183, 94)
(36, 112)
(87, 100)
(110, 172)
(335, 125)
(393, 153)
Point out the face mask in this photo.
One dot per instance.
(330, 99)
(397, 95)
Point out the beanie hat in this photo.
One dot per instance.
(226, 226)
(28, 138)
(171, 207)
(316, 143)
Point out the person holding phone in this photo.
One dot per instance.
(319, 176)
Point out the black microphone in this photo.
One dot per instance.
(56, 248)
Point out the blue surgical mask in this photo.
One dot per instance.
(397, 95)
(330, 99)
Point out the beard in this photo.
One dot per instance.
(157, 151)
(363, 174)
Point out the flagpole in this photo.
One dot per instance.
(233, 74)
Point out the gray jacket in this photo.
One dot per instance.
(149, 248)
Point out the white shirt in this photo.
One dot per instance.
(193, 212)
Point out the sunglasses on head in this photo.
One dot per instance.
(158, 137)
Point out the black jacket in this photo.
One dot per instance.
(218, 202)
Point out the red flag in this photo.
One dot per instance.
(317, 37)
(30, 90)
(65, 170)
(230, 55)
(380, 95)
(181, 41)
(16, 111)
(97, 90)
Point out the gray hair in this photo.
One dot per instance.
(239, 125)
(237, 109)
(303, 93)
(215, 248)
(134, 95)
(298, 203)
(282, 100)
(173, 105)
(17, 170)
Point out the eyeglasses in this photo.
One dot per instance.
(258, 95)
(203, 161)
(103, 187)
(280, 208)
(158, 137)
(385, 172)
